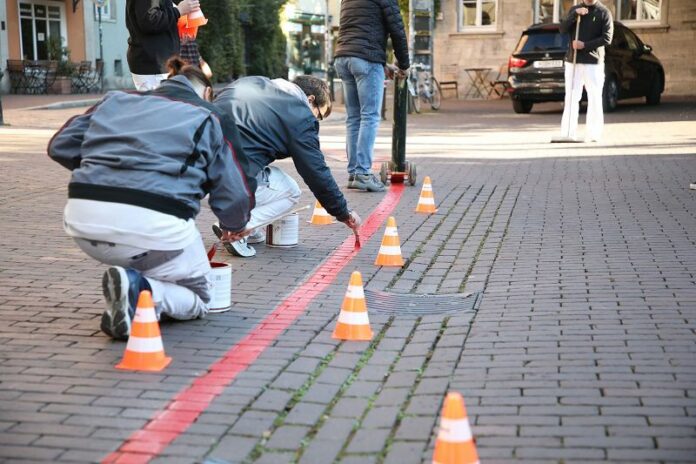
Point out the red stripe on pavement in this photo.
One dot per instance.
(183, 410)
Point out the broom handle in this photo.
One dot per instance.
(577, 34)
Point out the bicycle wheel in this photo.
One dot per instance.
(437, 95)
(414, 102)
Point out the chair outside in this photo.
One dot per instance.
(87, 78)
(20, 77)
(450, 76)
(500, 84)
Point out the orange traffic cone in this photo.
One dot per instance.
(426, 202)
(390, 251)
(353, 322)
(144, 351)
(320, 217)
(196, 18)
(455, 444)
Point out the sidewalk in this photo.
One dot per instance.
(581, 350)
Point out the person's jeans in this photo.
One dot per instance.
(363, 87)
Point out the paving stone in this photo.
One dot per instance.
(368, 441)
(287, 437)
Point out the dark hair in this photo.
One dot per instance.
(178, 67)
(311, 85)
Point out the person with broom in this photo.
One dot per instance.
(593, 28)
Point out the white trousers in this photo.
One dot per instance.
(276, 194)
(145, 82)
(180, 279)
(590, 76)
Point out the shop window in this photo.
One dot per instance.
(551, 11)
(476, 14)
(39, 22)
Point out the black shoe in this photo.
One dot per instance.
(121, 288)
(368, 182)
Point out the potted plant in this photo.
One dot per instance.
(65, 70)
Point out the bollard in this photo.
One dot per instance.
(2, 120)
(331, 75)
(399, 127)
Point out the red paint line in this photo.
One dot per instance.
(183, 410)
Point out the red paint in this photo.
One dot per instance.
(186, 406)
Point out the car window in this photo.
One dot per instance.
(542, 42)
(619, 40)
(631, 40)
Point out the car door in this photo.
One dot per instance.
(619, 61)
(643, 69)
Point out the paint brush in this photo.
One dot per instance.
(212, 250)
(357, 239)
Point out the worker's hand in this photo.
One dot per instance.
(187, 6)
(390, 71)
(582, 11)
(353, 220)
(402, 73)
(578, 44)
(229, 236)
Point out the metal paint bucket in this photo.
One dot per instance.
(221, 293)
(284, 232)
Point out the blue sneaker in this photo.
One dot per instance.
(121, 289)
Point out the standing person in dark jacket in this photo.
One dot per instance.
(154, 38)
(278, 119)
(141, 163)
(360, 63)
(596, 31)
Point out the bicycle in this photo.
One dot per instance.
(422, 86)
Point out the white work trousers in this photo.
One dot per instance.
(180, 279)
(591, 76)
(145, 82)
(276, 194)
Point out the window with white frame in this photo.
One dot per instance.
(477, 14)
(550, 11)
(40, 21)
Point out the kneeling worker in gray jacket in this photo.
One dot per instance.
(141, 163)
(279, 119)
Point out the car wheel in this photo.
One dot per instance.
(610, 94)
(522, 106)
(655, 92)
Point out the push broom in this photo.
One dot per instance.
(567, 138)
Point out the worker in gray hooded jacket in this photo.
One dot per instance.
(141, 163)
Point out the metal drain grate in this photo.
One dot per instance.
(421, 305)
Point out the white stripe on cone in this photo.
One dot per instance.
(427, 201)
(356, 292)
(145, 315)
(454, 430)
(390, 250)
(427, 187)
(145, 345)
(391, 231)
(352, 318)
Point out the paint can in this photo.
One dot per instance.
(221, 291)
(284, 233)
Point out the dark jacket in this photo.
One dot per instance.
(364, 27)
(274, 124)
(140, 149)
(596, 31)
(154, 37)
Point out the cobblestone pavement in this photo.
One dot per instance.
(582, 348)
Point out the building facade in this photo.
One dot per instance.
(483, 33)
(28, 26)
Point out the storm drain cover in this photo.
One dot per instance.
(421, 305)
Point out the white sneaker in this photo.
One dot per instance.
(257, 236)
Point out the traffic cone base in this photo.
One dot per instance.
(455, 443)
(320, 217)
(426, 202)
(144, 351)
(353, 322)
(390, 250)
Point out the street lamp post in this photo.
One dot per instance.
(100, 4)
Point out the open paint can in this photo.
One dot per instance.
(221, 293)
(284, 232)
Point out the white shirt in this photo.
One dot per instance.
(127, 225)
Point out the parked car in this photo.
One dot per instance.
(536, 75)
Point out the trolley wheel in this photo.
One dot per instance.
(411, 174)
(384, 172)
